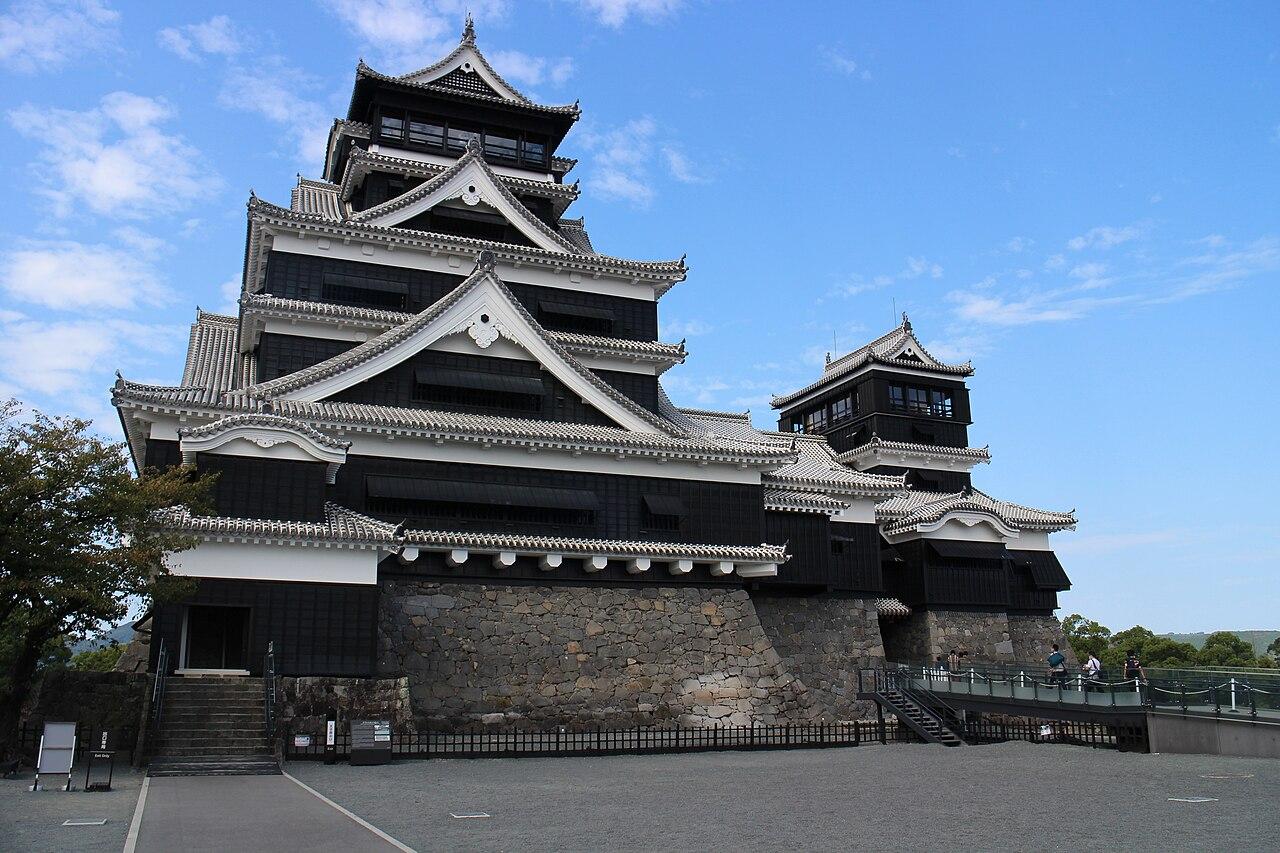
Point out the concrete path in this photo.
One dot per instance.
(247, 813)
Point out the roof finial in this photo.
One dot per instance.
(268, 406)
(469, 30)
(473, 145)
(486, 262)
(906, 323)
(828, 358)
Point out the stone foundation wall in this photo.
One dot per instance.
(1034, 635)
(305, 702)
(538, 656)
(823, 641)
(107, 700)
(925, 634)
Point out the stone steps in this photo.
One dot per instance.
(213, 765)
(213, 726)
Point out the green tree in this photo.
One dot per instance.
(1274, 649)
(97, 660)
(1135, 638)
(1223, 648)
(1085, 636)
(78, 540)
(1167, 653)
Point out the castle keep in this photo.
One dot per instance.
(446, 457)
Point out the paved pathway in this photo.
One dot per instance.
(247, 813)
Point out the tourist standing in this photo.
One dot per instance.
(1092, 670)
(1133, 667)
(1057, 667)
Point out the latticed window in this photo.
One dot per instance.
(842, 409)
(816, 420)
(921, 401)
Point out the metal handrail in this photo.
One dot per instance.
(904, 680)
(269, 689)
(157, 688)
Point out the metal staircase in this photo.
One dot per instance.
(915, 706)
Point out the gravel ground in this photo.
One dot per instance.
(32, 821)
(899, 797)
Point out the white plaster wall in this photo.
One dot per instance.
(242, 561)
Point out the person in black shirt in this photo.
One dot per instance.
(1133, 667)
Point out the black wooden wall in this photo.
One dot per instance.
(318, 629)
(836, 556)
(921, 578)
(250, 487)
(716, 513)
(302, 277)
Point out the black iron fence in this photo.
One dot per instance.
(304, 745)
(120, 740)
(979, 730)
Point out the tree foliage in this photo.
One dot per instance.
(1221, 649)
(97, 660)
(78, 540)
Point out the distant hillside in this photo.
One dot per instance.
(1259, 639)
(121, 634)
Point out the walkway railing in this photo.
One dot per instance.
(1188, 691)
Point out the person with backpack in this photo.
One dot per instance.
(1092, 672)
(1133, 667)
(1057, 667)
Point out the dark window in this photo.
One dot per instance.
(465, 501)
(392, 127)
(921, 401)
(426, 133)
(502, 147)
(661, 512)
(363, 291)
(797, 425)
(575, 318)
(842, 409)
(837, 546)
(476, 390)
(815, 421)
(534, 153)
(458, 138)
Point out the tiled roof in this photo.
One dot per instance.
(362, 70)
(317, 197)
(906, 512)
(390, 339)
(473, 157)
(815, 467)
(360, 162)
(262, 419)
(340, 525)
(211, 354)
(892, 608)
(877, 448)
(792, 500)
(346, 526)
(381, 319)
(665, 273)
(591, 547)
(563, 165)
(883, 350)
(575, 231)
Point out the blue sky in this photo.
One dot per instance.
(1081, 199)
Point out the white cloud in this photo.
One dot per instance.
(69, 363)
(145, 244)
(218, 35)
(995, 310)
(525, 70)
(615, 13)
(1105, 237)
(1055, 262)
(399, 36)
(74, 276)
(1221, 270)
(622, 158)
(271, 91)
(839, 61)
(229, 290)
(701, 391)
(1156, 198)
(1019, 244)
(677, 329)
(115, 158)
(43, 35)
(915, 268)
(680, 166)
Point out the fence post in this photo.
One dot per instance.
(1233, 695)
(1253, 700)
(1183, 686)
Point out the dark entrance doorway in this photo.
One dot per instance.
(217, 637)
